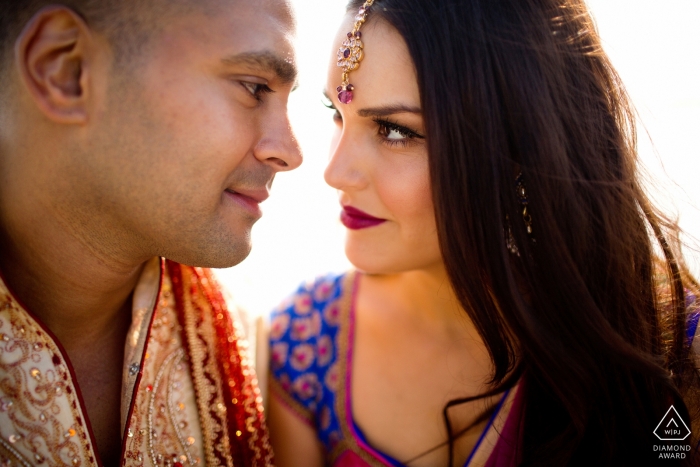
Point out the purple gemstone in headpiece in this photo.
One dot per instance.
(345, 97)
(350, 53)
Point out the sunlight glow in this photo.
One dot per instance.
(654, 45)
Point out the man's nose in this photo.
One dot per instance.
(278, 146)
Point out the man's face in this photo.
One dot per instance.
(184, 146)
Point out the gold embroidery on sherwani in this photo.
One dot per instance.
(231, 405)
(252, 402)
(145, 298)
(252, 397)
(41, 419)
(164, 425)
(205, 377)
(187, 386)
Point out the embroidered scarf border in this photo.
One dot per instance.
(230, 404)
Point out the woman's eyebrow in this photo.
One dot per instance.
(386, 110)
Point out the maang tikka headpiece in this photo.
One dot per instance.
(350, 53)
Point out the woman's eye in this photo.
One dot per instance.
(257, 90)
(393, 133)
(329, 105)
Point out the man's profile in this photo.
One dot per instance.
(137, 139)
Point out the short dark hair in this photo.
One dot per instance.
(126, 23)
(14, 14)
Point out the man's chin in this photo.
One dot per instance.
(217, 255)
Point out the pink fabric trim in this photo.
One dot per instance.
(350, 459)
(348, 387)
(506, 453)
(299, 412)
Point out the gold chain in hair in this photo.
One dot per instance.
(350, 53)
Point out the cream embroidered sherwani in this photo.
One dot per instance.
(189, 394)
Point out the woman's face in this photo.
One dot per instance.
(379, 157)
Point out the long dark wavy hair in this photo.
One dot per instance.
(591, 311)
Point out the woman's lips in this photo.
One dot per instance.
(355, 219)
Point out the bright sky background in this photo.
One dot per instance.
(655, 46)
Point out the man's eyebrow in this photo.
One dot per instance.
(387, 110)
(267, 61)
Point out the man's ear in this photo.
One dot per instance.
(51, 56)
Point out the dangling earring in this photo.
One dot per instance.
(510, 240)
(527, 218)
(522, 196)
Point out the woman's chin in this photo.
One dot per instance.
(369, 262)
(382, 264)
(391, 257)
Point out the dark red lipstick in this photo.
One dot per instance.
(354, 219)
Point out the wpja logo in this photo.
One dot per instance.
(672, 428)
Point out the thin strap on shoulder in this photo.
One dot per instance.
(693, 328)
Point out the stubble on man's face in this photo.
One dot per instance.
(182, 132)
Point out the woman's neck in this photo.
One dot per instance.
(424, 296)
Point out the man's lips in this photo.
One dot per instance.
(258, 194)
(354, 219)
(249, 199)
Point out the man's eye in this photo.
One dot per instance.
(257, 90)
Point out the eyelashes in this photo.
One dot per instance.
(390, 133)
(393, 133)
(256, 90)
(329, 105)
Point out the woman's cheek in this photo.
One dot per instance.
(406, 192)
